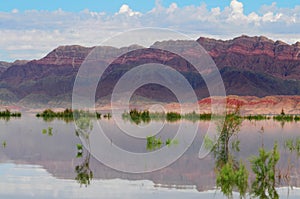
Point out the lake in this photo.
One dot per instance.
(42, 164)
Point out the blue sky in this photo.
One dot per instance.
(29, 29)
(139, 5)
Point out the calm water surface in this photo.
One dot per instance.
(37, 165)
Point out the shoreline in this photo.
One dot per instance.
(249, 105)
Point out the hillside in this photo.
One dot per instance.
(249, 66)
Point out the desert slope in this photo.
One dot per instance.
(249, 66)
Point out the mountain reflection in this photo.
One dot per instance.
(83, 171)
(57, 153)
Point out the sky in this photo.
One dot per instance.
(32, 28)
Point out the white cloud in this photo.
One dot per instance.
(216, 11)
(172, 8)
(125, 9)
(32, 34)
(237, 7)
(254, 18)
(270, 17)
(237, 15)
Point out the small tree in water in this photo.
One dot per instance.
(264, 167)
(230, 174)
(230, 177)
(230, 128)
(282, 112)
(83, 171)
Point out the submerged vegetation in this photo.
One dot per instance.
(138, 116)
(7, 114)
(286, 118)
(173, 116)
(144, 116)
(154, 143)
(84, 174)
(230, 174)
(233, 175)
(264, 168)
(79, 150)
(4, 144)
(230, 177)
(257, 117)
(47, 131)
(68, 115)
(293, 145)
(194, 116)
(106, 115)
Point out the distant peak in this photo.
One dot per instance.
(263, 38)
(70, 47)
(66, 55)
(297, 44)
(237, 39)
(252, 46)
(254, 38)
(20, 62)
(278, 42)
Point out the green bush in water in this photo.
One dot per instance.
(264, 167)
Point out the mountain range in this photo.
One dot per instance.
(249, 66)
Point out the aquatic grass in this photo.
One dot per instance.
(7, 114)
(264, 168)
(193, 116)
(257, 117)
(47, 131)
(229, 178)
(153, 143)
(285, 118)
(173, 116)
(79, 150)
(4, 144)
(293, 145)
(139, 116)
(68, 115)
(107, 115)
(83, 171)
(296, 118)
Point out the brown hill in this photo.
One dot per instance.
(250, 66)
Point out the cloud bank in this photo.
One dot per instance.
(32, 34)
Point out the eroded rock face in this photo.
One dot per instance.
(250, 66)
(248, 105)
(252, 46)
(255, 105)
(65, 55)
(258, 54)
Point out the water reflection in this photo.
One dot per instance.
(264, 168)
(232, 174)
(84, 126)
(57, 153)
(154, 143)
(48, 131)
(4, 144)
(84, 174)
